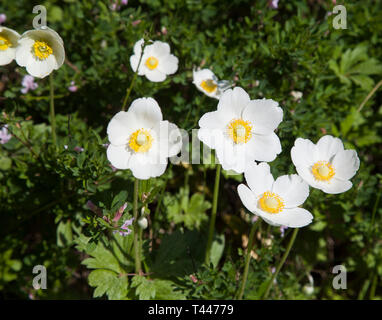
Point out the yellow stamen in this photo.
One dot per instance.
(152, 63)
(42, 50)
(240, 130)
(271, 202)
(140, 141)
(4, 43)
(208, 85)
(323, 171)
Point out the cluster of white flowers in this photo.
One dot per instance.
(40, 51)
(241, 131)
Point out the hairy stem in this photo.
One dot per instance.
(251, 239)
(128, 91)
(137, 250)
(52, 113)
(281, 263)
(213, 215)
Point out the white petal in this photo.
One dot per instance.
(6, 56)
(304, 153)
(213, 138)
(143, 168)
(41, 69)
(232, 156)
(146, 111)
(170, 139)
(292, 218)
(247, 197)
(160, 49)
(168, 64)
(292, 189)
(23, 51)
(233, 101)
(119, 156)
(259, 177)
(155, 75)
(264, 147)
(336, 186)
(328, 146)
(306, 174)
(346, 164)
(121, 126)
(264, 114)
(138, 47)
(214, 120)
(204, 74)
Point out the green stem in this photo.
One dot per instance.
(137, 250)
(290, 244)
(52, 113)
(132, 81)
(373, 285)
(369, 95)
(251, 239)
(374, 211)
(213, 216)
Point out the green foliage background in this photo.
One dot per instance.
(43, 195)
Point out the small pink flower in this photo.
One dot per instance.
(4, 135)
(28, 84)
(274, 4)
(119, 213)
(125, 225)
(164, 30)
(282, 230)
(136, 22)
(3, 18)
(124, 2)
(72, 87)
(255, 218)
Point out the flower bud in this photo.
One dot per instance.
(142, 222)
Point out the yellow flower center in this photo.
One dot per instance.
(141, 140)
(271, 202)
(4, 43)
(323, 171)
(239, 130)
(152, 63)
(209, 85)
(42, 50)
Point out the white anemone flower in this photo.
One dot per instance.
(325, 165)
(8, 44)
(241, 130)
(276, 202)
(206, 81)
(157, 61)
(41, 51)
(141, 141)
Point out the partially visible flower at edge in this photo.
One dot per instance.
(3, 17)
(4, 135)
(274, 4)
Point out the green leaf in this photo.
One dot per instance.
(109, 283)
(217, 249)
(145, 289)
